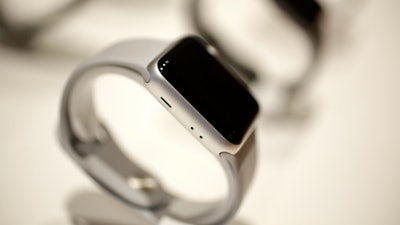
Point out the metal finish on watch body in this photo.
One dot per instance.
(91, 145)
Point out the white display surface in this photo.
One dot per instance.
(340, 166)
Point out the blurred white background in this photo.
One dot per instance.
(338, 166)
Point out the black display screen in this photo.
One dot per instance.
(210, 88)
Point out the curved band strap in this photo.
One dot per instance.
(90, 144)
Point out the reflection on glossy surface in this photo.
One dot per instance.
(96, 208)
(99, 208)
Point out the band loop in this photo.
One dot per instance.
(91, 145)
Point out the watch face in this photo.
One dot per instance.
(210, 88)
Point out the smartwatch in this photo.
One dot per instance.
(199, 90)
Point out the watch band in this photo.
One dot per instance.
(91, 145)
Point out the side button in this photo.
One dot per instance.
(166, 102)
